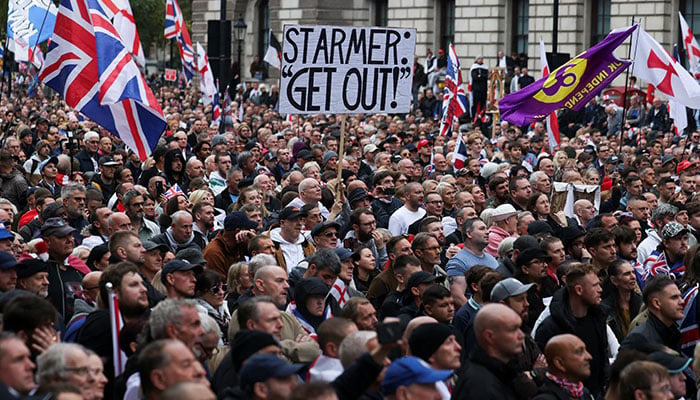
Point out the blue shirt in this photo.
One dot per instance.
(465, 259)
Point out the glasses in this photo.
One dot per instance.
(139, 204)
(537, 262)
(82, 371)
(330, 234)
(217, 288)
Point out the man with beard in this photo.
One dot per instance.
(33, 276)
(576, 309)
(194, 169)
(498, 190)
(668, 257)
(267, 185)
(626, 249)
(364, 234)
(74, 201)
(126, 246)
(133, 202)
(639, 207)
(104, 181)
(203, 214)
(132, 299)
(433, 204)
(476, 239)
(180, 234)
(514, 294)
(568, 365)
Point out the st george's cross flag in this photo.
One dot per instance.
(206, 78)
(691, 46)
(88, 65)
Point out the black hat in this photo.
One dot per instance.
(322, 226)
(108, 161)
(305, 154)
(149, 245)
(612, 160)
(238, 220)
(524, 242)
(178, 265)
(244, 183)
(358, 194)
(192, 255)
(29, 267)
(248, 342)
(422, 277)
(539, 227)
(675, 364)
(261, 367)
(56, 227)
(570, 234)
(291, 212)
(270, 155)
(527, 255)
(426, 339)
(667, 159)
(52, 210)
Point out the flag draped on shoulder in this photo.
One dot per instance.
(123, 20)
(552, 120)
(175, 28)
(691, 46)
(273, 55)
(454, 99)
(652, 63)
(570, 86)
(89, 66)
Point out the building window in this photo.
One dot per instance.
(447, 23)
(691, 12)
(381, 13)
(263, 12)
(521, 16)
(600, 21)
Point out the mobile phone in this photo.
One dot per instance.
(159, 188)
(388, 332)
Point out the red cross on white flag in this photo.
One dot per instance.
(691, 46)
(653, 64)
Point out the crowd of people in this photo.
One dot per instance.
(257, 259)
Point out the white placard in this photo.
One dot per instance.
(343, 69)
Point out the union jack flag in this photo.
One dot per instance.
(123, 19)
(690, 334)
(88, 65)
(175, 28)
(460, 156)
(174, 190)
(454, 100)
(431, 167)
(216, 108)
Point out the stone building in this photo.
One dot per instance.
(477, 27)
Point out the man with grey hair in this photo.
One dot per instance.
(165, 363)
(88, 157)
(310, 191)
(74, 201)
(66, 363)
(133, 202)
(540, 182)
(247, 162)
(180, 234)
(177, 319)
(661, 215)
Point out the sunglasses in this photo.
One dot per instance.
(330, 234)
(217, 288)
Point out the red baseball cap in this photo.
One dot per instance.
(422, 143)
(607, 184)
(683, 165)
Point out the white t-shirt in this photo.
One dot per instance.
(402, 219)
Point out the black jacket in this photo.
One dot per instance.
(486, 378)
(562, 320)
(653, 330)
(551, 391)
(223, 200)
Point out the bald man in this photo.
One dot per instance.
(119, 221)
(499, 340)
(568, 361)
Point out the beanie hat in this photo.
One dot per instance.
(248, 342)
(427, 338)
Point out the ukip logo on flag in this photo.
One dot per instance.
(570, 86)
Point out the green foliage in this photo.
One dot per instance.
(150, 21)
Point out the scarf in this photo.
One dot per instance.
(574, 389)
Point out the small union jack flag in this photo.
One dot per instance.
(454, 100)
(690, 335)
(175, 28)
(174, 190)
(460, 156)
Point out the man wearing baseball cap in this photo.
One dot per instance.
(668, 257)
(266, 376)
(179, 279)
(410, 377)
(65, 271)
(676, 365)
(291, 247)
(231, 244)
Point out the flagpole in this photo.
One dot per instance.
(341, 153)
(624, 97)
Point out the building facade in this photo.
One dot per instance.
(476, 27)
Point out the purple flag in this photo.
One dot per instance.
(570, 86)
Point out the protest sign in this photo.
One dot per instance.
(334, 69)
(170, 75)
(31, 21)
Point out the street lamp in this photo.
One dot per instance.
(239, 31)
